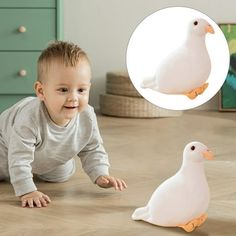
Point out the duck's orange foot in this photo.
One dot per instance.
(202, 219)
(190, 226)
(197, 91)
(193, 224)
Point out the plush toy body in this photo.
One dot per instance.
(182, 200)
(185, 70)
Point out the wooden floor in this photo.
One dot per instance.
(144, 152)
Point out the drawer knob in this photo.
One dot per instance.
(22, 73)
(22, 29)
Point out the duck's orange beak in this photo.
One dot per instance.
(209, 29)
(208, 155)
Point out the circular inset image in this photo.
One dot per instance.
(177, 58)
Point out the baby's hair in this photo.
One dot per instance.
(68, 53)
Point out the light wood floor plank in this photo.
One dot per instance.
(144, 152)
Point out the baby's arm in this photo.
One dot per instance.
(21, 149)
(93, 156)
(95, 162)
(35, 198)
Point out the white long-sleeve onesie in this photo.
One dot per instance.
(31, 143)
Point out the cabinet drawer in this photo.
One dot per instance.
(27, 3)
(40, 25)
(11, 63)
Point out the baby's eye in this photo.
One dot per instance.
(63, 90)
(81, 90)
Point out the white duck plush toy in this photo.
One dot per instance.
(182, 200)
(186, 69)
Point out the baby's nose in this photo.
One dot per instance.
(72, 97)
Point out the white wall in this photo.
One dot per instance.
(103, 28)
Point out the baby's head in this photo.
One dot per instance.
(63, 83)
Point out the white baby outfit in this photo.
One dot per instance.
(30, 143)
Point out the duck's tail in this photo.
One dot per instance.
(141, 213)
(147, 83)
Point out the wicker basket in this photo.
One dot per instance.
(123, 106)
(119, 83)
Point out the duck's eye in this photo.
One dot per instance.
(195, 22)
(193, 148)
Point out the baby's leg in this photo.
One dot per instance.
(4, 173)
(61, 173)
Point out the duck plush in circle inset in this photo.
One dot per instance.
(186, 69)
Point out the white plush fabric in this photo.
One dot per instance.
(186, 68)
(181, 198)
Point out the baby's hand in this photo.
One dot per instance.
(109, 181)
(35, 198)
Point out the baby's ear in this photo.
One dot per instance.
(38, 88)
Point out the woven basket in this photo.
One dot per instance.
(122, 106)
(120, 84)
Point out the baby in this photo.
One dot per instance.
(42, 135)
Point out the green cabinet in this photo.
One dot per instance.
(26, 27)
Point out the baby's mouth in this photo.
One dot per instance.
(71, 107)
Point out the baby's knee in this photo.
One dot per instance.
(4, 173)
(60, 174)
(54, 179)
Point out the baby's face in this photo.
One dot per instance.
(65, 91)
